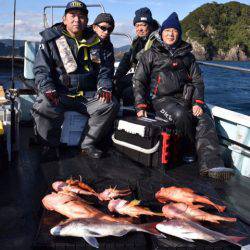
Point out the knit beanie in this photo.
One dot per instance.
(143, 15)
(172, 22)
(105, 17)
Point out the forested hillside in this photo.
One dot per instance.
(219, 31)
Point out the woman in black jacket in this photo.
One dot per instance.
(168, 79)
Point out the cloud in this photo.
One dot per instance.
(28, 25)
(122, 27)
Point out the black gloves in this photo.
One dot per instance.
(104, 94)
(52, 96)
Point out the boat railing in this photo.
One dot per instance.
(217, 65)
(122, 34)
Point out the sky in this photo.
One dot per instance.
(29, 15)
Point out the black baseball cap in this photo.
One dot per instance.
(76, 5)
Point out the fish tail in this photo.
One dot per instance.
(235, 239)
(207, 201)
(150, 228)
(229, 219)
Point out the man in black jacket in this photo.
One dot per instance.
(73, 71)
(168, 79)
(144, 25)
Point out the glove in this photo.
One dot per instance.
(104, 94)
(52, 96)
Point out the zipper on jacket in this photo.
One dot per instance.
(157, 84)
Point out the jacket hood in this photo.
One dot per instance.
(53, 32)
(182, 48)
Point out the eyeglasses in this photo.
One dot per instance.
(103, 28)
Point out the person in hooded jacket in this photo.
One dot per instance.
(144, 26)
(169, 81)
(74, 72)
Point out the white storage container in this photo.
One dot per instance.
(72, 128)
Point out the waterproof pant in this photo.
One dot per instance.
(49, 118)
(124, 90)
(200, 130)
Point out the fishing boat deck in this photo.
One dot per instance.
(22, 187)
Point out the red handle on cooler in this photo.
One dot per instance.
(165, 147)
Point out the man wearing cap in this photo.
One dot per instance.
(144, 24)
(73, 72)
(168, 79)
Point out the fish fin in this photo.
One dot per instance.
(134, 203)
(187, 239)
(93, 234)
(235, 239)
(151, 229)
(92, 241)
(122, 233)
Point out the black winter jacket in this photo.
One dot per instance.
(162, 72)
(49, 70)
(130, 58)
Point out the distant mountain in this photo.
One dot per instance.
(219, 31)
(122, 49)
(8, 42)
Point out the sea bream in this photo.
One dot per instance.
(189, 231)
(90, 229)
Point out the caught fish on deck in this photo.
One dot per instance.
(63, 186)
(90, 229)
(72, 206)
(192, 212)
(112, 193)
(79, 187)
(189, 231)
(184, 195)
(130, 208)
(80, 184)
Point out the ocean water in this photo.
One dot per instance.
(225, 88)
(229, 89)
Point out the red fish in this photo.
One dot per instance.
(130, 208)
(79, 187)
(112, 193)
(72, 206)
(63, 186)
(192, 212)
(184, 195)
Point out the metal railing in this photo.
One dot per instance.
(52, 7)
(123, 34)
(216, 65)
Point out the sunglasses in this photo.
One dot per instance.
(103, 28)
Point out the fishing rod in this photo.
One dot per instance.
(12, 94)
